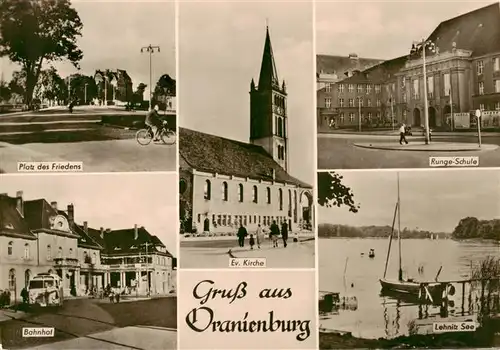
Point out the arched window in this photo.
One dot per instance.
(26, 251)
(10, 248)
(268, 193)
(12, 279)
(49, 252)
(27, 277)
(94, 258)
(240, 192)
(60, 253)
(280, 198)
(208, 189)
(255, 195)
(70, 252)
(224, 191)
(280, 127)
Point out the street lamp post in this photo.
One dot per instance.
(86, 84)
(359, 112)
(150, 49)
(478, 117)
(417, 46)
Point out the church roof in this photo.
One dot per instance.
(268, 73)
(215, 154)
(477, 31)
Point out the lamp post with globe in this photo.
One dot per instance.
(418, 46)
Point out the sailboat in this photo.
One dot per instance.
(423, 290)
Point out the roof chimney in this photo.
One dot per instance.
(136, 232)
(71, 215)
(108, 230)
(102, 233)
(20, 202)
(353, 56)
(53, 205)
(86, 227)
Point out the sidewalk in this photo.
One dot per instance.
(420, 146)
(416, 134)
(8, 314)
(295, 255)
(120, 338)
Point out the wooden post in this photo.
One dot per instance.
(463, 298)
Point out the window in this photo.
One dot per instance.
(497, 106)
(481, 107)
(224, 191)
(404, 97)
(378, 115)
(496, 64)
(207, 189)
(26, 251)
(369, 102)
(240, 192)
(351, 102)
(12, 279)
(10, 248)
(49, 252)
(369, 89)
(481, 88)
(415, 89)
(268, 195)
(280, 198)
(94, 258)
(255, 194)
(360, 102)
(430, 86)
(328, 102)
(341, 88)
(369, 116)
(497, 86)
(404, 115)
(328, 87)
(351, 117)
(480, 67)
(360, 89)
(70, 252)
(341, 102)
(379, 103)
(280, 121)
(351, 87)
(60, 253)
(377, 88)
(447, 84)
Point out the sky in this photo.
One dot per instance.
(381, 29)
(112, 37)
(220, 53)
(433, 200)
(114, 201)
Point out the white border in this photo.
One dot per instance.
(177, 194)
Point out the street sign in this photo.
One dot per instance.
(478, 113)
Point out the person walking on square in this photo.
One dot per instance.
(402, 132)
(251, 241)
(284, 233)
(259, 235)
(242, 233)
(275, 232)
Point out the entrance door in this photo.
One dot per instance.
(206, 225)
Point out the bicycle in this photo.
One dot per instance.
(146, 135)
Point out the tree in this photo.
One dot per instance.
(37, 31)
(138, 95)
(164, 90)
(5, 92)
(331, 192)
(83, 88)
(51, 86)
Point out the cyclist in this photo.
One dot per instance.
(154, 122)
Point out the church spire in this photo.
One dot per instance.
(268, 73)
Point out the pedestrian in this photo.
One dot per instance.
(251, 241)
(242, 233)
(284, 233)
(275, 232)
(259, 235)
(402, 132)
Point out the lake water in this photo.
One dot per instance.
(378, 316)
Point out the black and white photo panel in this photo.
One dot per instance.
(88, 262)
(246, 137)
(409, 258)
(399, 86)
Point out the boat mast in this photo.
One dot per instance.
(400, 272)
(390, 239)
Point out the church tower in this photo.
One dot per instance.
(268, 109)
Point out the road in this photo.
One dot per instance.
(81, 321)
(97, 156)
(337, 151)
(214, 254)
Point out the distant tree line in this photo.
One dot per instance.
(331, 230)
(471, 227)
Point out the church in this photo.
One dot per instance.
(225, 183)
